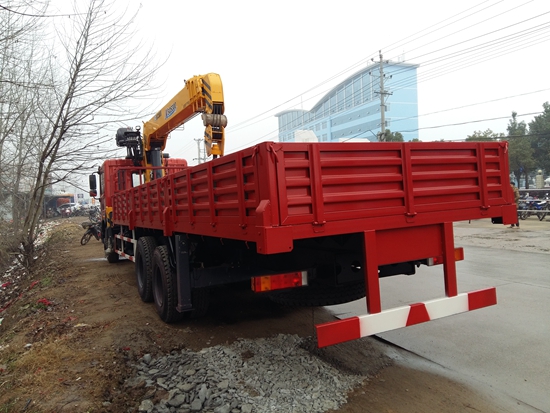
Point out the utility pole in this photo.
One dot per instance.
(383, 93)
(200, 158)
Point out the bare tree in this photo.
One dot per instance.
(19, 29)
(97, 69)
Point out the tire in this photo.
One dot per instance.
(144, 267)
(85, 238)
(200, 298)
(523, 215)
(109, 243)
(164, 286)
(165, 294)
(318, 296)
(112, 257)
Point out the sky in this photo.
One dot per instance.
(478, 60)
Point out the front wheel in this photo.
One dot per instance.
(85, 238)
(523, 215)
(112, 257)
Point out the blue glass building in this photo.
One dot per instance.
(351, 110)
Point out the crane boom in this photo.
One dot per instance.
(201, 94)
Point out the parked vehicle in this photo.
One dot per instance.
(530, 206)
(523, 207)
(93, 229)
(94, 214)
(309, 224)
(69, 209)
(542, 206)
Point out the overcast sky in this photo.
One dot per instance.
(479, 60)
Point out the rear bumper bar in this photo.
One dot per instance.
(361, 326)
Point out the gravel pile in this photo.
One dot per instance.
(248, 376)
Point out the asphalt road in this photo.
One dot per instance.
(504, 349)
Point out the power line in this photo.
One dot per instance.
(471, 121)
(468, 27)
(478, 51)
(521, 36)
(470, 105)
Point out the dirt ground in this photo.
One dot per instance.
(69, 337)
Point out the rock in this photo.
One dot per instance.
(150, 393)
(186, 386)
(246, 408)
(224, 384)
(202, 392)
(146, 406)
(196, 405)
(177, 400)
(146, 358)
(223, 409)
(162, 409)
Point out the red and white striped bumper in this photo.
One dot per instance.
(361, 326)
(121, 252)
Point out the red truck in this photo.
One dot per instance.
(310, 224)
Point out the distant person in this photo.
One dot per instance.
(516, 200)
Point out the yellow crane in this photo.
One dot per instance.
(201, 94)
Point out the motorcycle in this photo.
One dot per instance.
(94, 214)
(523, 207)
(92, 230)
(543, 207)
(534, 206)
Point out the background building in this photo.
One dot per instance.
(351, 110)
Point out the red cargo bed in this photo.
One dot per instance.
(274, 193)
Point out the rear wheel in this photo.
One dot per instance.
(201, 301)
(164, 286)
(85, 238)
(144, 267)
(165, 294)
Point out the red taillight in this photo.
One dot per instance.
(458, 256)
(279, 281)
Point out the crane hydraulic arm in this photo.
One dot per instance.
(201, 94)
